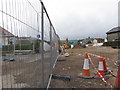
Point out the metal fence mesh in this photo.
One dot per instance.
(25, 63)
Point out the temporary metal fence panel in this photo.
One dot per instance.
(47, 50)
(25, 63)
(50, 46)
(54, 46)
(20, 65)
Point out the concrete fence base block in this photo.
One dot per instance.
(107, 72)
(106, 78)
(85, 77)
(61, 58)
(62, 77)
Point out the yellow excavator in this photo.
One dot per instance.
(67, 44)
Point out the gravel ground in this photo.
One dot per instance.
(73, 65)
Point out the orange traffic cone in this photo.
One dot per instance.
(86, 72)
(105, 67)
(117, 81)
(101, 74)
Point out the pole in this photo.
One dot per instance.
(42, 46)
(51, 49)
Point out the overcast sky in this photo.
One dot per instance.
(77, 19)
(72, 19)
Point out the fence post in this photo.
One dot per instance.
(51, 49)
(42, 46)
(0, 69)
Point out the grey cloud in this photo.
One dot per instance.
(74, 27)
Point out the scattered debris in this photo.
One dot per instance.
(89, 82)
(72, 46)
(69, 67)
(8, 59)
(64, 69)
(5, 59)
(12, 59)
(66, 54)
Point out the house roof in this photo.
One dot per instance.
(114, 30)
(5, 33)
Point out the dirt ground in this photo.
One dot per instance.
(25, 71)
(73, 65)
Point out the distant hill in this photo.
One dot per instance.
(74, 42)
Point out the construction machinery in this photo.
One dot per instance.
(67, 44)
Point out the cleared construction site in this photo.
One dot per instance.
(90, 67)
(73, 65)
(33, 56)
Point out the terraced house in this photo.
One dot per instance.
(113, 34)
(5, 36)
